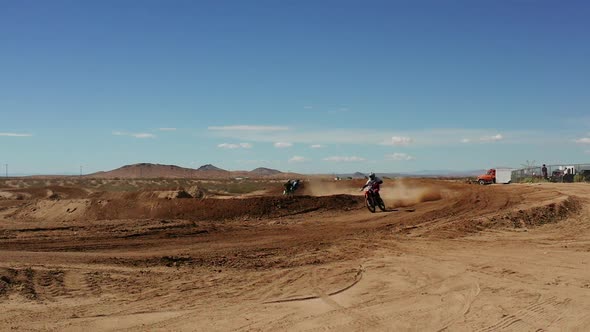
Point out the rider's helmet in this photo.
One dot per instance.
(372, 176)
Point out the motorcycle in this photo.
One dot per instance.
(373, 199)
(290, 190)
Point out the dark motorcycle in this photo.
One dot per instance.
(373, 199)
(291, 186)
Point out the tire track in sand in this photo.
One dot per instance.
(538, 315)
(357, 278)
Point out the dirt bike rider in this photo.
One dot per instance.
(287, 186)
(373, 182)
(290, 186)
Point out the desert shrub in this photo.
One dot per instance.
(579, 177)
(533, 179)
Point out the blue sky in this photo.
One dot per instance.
(306, 86)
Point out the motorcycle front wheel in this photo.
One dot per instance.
(381, 204)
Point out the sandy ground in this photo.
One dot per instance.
(445, 256)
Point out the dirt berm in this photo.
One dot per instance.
(130, 206)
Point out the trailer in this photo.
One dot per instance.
(504, 175)
(496, 175)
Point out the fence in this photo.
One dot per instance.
(555, 173)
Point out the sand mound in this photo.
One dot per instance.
(144, 205)
(454, 222)
(61, 192)
(9, 195)
(53, 210)
(165, 194)
(546, 213)
(196, 192)
(218, 209)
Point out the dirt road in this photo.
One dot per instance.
(446, 256)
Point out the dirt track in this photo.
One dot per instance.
(449, 256)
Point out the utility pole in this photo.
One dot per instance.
(80, 170)
(6, 165)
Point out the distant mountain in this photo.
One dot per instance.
(263, 171)
(208, 171)
(146, 170)
(210, 167)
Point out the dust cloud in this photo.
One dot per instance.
(397, 193)
(325, 188)
(403, 194)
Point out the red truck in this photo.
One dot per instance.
(489, 177)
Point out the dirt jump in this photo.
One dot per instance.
(443, 256)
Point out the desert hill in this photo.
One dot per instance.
(263, 171)
(210, 167)
(147, 170)
(208, 171)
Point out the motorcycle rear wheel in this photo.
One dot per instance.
(370, 202)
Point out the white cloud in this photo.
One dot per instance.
(136, 135)
(282, 145)
(495, 138)
(399, 156)
(583, 140)
(167, 129)
(297, 159)
(234, 146)
(344, 159)
(228, 146)
(363, 136)
(248, 128)
(15, 135)
(398, 140)
(316, 146)
(466, 140)
(339, 110)
(143, 135)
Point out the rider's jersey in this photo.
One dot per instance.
(373, 183)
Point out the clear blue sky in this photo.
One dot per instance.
(307, 86)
